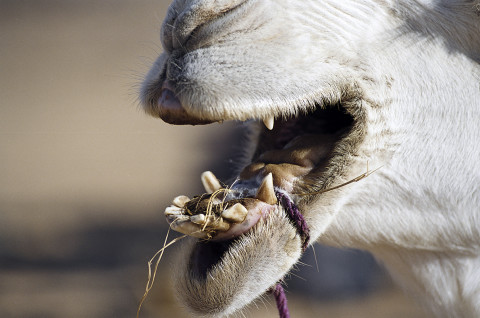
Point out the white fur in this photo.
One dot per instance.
(415, 64)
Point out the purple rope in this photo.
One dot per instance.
(298, 220)
(296, 217)
(281, 300)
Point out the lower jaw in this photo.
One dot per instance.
(215, 279)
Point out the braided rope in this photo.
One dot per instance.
(281, 300)
(296, 217)
(302, 228)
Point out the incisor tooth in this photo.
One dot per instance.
(269, 122)
(265, 192)
(173, 218)
(181, 200)
(173, 210)
(216, 223)
(176, 218)
(236, 213)
(198, 219)
(210, 182)
(188, 228)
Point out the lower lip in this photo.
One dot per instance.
(260, 211)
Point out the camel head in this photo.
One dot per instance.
(329, 90)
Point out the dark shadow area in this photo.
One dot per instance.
(341, 273)
(103, 246)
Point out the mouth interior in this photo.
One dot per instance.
(297, 151)
(322, 121)
(206, 255)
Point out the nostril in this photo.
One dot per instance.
(168, 26)
(183, 20)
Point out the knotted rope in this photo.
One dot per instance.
(302, 228)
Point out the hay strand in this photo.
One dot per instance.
(356, 179)
(211, 204)
(151, 276)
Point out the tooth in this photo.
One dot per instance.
(181, 200)
(170, 218)
(176, 218)
(210, 182)
(173, 210)
(198, 219)
(269, 122)
(236, 213)
(266, 192)
(188, 228)
(216, 223)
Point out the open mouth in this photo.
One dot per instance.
(304, 104)
(293, 155)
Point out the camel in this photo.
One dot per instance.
(328, 88)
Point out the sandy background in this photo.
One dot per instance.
(85, 174)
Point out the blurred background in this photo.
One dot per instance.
(85, 175)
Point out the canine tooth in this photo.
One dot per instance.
(236, 213)
(173, 210)
(266, 192)
(181, 200)
(269, 122)
(210, 182)
(198, 219)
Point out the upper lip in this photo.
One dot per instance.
(170, 108)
